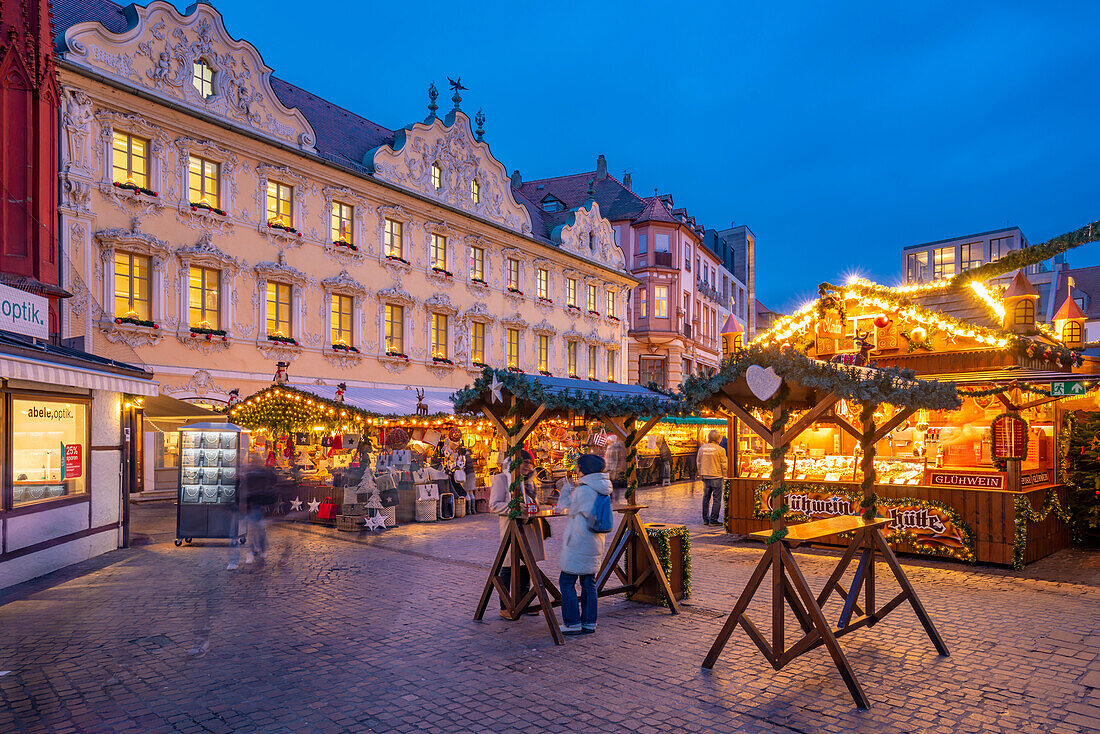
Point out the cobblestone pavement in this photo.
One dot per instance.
(338, 632)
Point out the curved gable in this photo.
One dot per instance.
(586, 233)
(462, 159)
(158, 50)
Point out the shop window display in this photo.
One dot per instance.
(49, 449)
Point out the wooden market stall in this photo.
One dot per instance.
(979, 482)
(516, 404)
(796, 392)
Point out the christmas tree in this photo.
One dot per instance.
(1081, 464)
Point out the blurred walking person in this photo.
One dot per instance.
(713, 467)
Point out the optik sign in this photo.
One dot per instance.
(24, 313)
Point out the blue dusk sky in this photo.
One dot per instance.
(838, 132)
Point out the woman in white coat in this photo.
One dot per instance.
(582, 549)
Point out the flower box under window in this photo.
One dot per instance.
(136, 322)
(345, 348)
(282, 339)
(395, 353)
(545, 373)
(594, 312)
(613, 317)
(208, 334)
(348, 245)
(442, 360)
(480, 365)
(479, 281)
(513, 289)
(517, 370)
(442, 271)
(195, 205)
(130, 186)
(573, 306)
(397, 258)
(276, 224)
(544, 299)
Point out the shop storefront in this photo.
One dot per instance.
(980, 482)
(64, 438)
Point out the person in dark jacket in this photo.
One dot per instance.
(256, 492)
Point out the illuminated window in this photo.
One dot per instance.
(49, 449)
(513, 348)
(970, 256)
(278, 309)
(542, 283)
(643, 302)
(203, 177)
(544, 352)
(1024, 312)
(1071, 332)
(738, 341)
(341, 319)
(205, 301)
(439, 335)
(395, 328)
(130, 159)
(591, 297)
(917, 267)
(571, 291)
(943, 263)
(592, 362)
(571, 357)
(280, 204)
(437, 176)
(341, 222)
(611, 354)
(439, 251)
(513, 273)
(477, 263)
(660, 301)
(392, 238)
(475, 191)
(611, 303)
(131, 286)
(202, 78)
(477, 342)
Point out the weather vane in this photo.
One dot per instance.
(456, 85)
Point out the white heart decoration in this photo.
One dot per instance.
(763, 382)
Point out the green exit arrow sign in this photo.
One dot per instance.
(1067, 388)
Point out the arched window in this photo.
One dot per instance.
(1025, 313)
(1071, 332)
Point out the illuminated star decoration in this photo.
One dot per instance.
(494, 388)
(1094, 444)
(296, 505)
(314, 505)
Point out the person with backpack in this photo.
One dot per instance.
(589, 511)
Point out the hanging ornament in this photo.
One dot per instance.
(922, 420)
(882, 321)
(918, 334)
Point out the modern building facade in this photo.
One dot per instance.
(678, 310)
(943, 259)
(736, 248)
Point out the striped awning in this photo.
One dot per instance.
(52, 373)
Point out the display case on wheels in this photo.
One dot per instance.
(211, 455)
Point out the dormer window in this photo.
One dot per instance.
(202, 78)
(1025, 313)
(475, 191)
(552, 204)
(437, 176)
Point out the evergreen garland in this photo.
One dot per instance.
(1025, 513)
(592, 403)
(867, 465)
(660, 538)
(1079, 465)
(1030, 255)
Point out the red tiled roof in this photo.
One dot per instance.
(1020, 287)
(1086, 282)
(656, 211)
(1069, 310)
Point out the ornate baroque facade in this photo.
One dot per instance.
(249, 208)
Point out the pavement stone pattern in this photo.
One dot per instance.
(345, 632)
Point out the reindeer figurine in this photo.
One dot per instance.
(421, 406)
(863, 339)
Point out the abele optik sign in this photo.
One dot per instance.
(24, 313)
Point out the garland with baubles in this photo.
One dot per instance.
(1030, 255)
